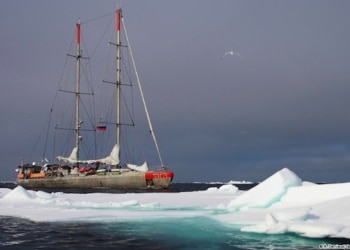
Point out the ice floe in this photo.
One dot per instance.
(282, 203)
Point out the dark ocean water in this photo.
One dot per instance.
(195, 233)
(179, 233)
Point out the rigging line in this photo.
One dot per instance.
(144, 144)
(61, 77)
(127, 67)
(36, 143)
(64, 67)
(47, 134)
(91, 117)
(107, 68)
(119, 4)
(141, 153)
(99, 17)
(129, 117)
(51, 109)
(108, 57)
(87, 73)
(143, 98)
(129, 77)
(102, 36)
(126, 147)
(93, 124)
(54, 145)
(86, 69)
(127, 108)
(108, 109)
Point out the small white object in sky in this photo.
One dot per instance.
(231, 53)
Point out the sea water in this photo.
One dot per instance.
(189, 233)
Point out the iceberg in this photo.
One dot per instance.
(266, 193)
(284, 204)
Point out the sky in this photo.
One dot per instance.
(282, 103)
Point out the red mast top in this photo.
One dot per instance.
(119, 19)
(78, 33)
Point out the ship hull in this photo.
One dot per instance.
(124, 180)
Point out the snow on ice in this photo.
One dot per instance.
(280, 204)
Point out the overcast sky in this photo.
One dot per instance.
(284, 102)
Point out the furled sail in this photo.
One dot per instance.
(70, 159)
(142, 168)
(113, 158)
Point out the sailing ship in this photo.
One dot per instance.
(106, 172)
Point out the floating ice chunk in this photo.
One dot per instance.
(313, 194)
(18, 193)
(212, 189)
(228, 188)
(287, 221)
(270, 220)
(130, 203)
(336, 210)
(4, 191)
(293, 214)
(153, 205)
(97, 205)
(63, 202)
(221, 207)
(315, 229)
(308, 183)
(344, 233)
(267, 192)
(270, 226)
(240, 182)
(44, 195)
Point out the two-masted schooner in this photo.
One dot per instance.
(73, 172)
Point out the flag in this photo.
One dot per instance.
(101, 128)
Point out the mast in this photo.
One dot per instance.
(118, 76)
(77, 91)
(144, 101)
